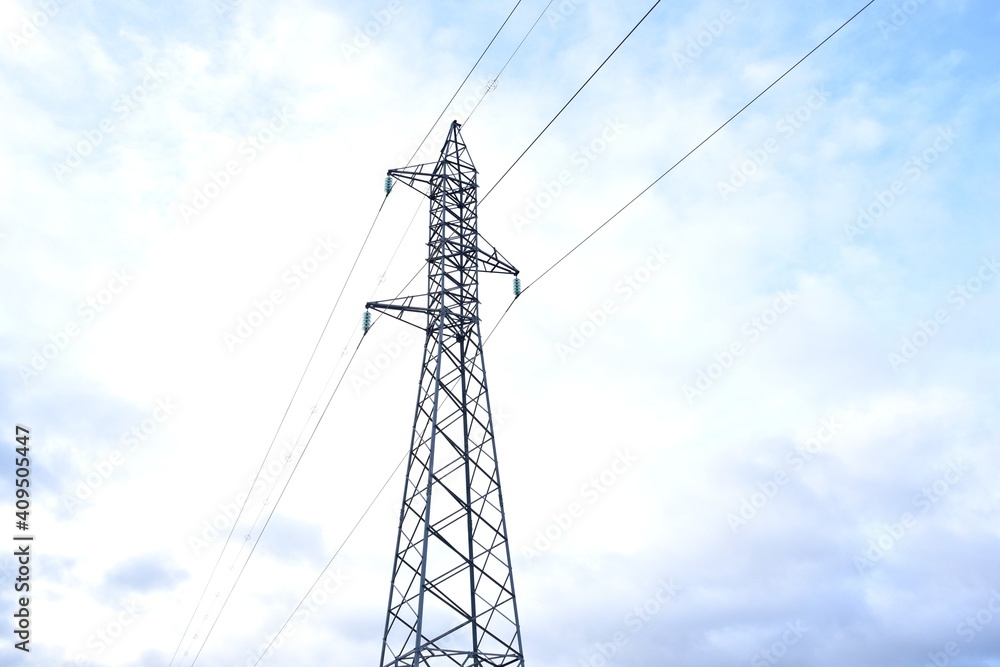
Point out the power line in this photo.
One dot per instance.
(367, 509)
(678, 162)
(294, 467)
(288, 481)
(469, 117)
(312, 356)
(523, 39)
(550, 268)
(457, 90)
(274, 505)
(494, 80)
(281, 423)
(509, 59)
(334, 557)
(398, 245)
(592, 75)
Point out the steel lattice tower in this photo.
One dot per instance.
(451, 601)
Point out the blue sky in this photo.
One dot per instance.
(781, 360)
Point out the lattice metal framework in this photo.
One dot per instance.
(451, 601)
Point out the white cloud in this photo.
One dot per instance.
(352, 115)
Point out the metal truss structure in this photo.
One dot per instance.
(451, 600)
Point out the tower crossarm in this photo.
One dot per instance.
(403, 310)
(419, 174)
(491, 261)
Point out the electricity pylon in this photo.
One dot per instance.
(451, 601)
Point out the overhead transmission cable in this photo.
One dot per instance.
(288, 480)
(332, 558)
(594, 73)
(315, 348)
(495, 79)
(584, 85)
(457, 90)
(573, 249)
(284, 487)
(365, 513)
(281, 423)
(678, 162)
(274, 505)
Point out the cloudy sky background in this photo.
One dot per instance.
(812, 496)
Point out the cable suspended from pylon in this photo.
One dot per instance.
(495, 80)
(457, 90)
(267, 454)
(573, 97)
(517, 289)
(491, 88)
(274, 438)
